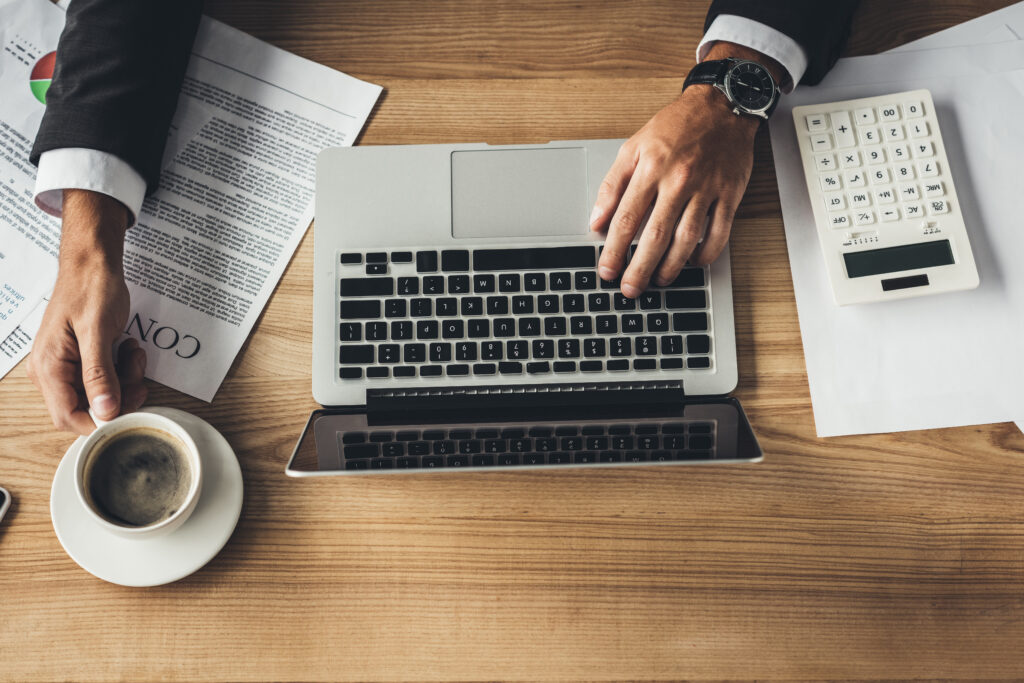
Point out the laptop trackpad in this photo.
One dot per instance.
(519, 192)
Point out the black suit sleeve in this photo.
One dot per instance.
(115, 86)
(820, 27)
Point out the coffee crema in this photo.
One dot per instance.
(138, 477)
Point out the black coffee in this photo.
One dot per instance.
(139, 477)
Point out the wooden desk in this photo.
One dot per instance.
(878, 556)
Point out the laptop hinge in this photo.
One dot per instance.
(524, 396)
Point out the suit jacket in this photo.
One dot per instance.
(820, 27)
(115, 85)
(120, 64)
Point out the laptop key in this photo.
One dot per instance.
(376, 331)
(671, 363)
(661, 456)
(369, 450)
(567, 430)
(407, 435)
(619, 430)
(479, 328)
(408, 285)
(543, 348)
(455, 260)
(646, 429)
(565, 366)
(382, 464)
(584, 457)
(517, 350)
(534, 282)
(492, 350)
(632, 324)
(545, 444)
(433, 285)
(497, 305)
(351, 258)
(350, 373)
(483, 284)
(458, 461)
(596, 443)
(392, 450)
(607, 324)
(650, 300)
(353, 437)
(426, 329)
(376, 268)
(465, 351)
(544, 258)
(618, 364)
(351, 332)
(367, 286)
(507, 459)
(359, 309)
(458, 284)
(447, 307)
(356, 354)
(444, 447)
(623, 303)
(672, 345)
(401, 257)
(698, 343)
(376, 373)
(547, 304)
(610, 456)
(483, 460)
(568, 348)
(700, 428)
(573, 303)
(504, 327)
(357, 464)
(534, 459)
(394, 308)
(586, 279)
(431, 371)
(701, 441)
(453, 329)
(697, 363)
(598, 302)
(508, 282)
(407, 463)
(591, 366)
(422, 308)
(594, 347)
(401, 329)
(657, 322)
(689, 322)
(458, 370)
(522, 305)
(686, 298)
(554, 327)
(432, 461)
(404, 372)
(646, 346)
(419, 448)
(645, 364)
(689, 277)
(529, 327)
(635, 456)
(561, 281)
(581, 324)
(510, 368)
(559, 458)
(440, 352)
(538, 368)
(496, 445)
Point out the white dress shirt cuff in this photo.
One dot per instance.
(760, 37)
(77, 168)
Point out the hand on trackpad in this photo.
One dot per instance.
(519, 192)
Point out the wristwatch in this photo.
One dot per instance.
(747, 85)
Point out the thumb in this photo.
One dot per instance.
(99, 376)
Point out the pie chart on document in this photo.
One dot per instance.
(42, 74)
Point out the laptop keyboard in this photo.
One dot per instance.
(534, 311)
(504, 446)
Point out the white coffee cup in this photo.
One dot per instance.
(104, 433)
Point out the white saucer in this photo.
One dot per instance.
(154, 561)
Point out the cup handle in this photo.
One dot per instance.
(95, 420)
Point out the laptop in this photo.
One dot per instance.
(459, 323)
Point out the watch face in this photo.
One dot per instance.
(750, 85)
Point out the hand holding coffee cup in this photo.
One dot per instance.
(139, 475)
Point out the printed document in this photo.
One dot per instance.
(235, 198)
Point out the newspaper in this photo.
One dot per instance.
(235, 198)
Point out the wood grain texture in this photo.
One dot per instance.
(896, 556)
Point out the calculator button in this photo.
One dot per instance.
(859, 200)
(843, 129)
(918, 129)
(864, 116)
(864, 218)
(869, 136)
(933, 190)
(927, 169)
(849, 159)
(830, 181)
(821, 143)
(889, 112)
(903, 172)
(912, 110)
(855, 179)
(938, 206)
(894, 132)
(879, 176)
(890, 215)
(825, 162)
(816, 123)
(840, 221)
(924, 149)
(913, 210)
(884, 195)
(875, 155)
(899, 152)
(835, 201)
(909, 193)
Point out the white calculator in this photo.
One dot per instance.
(887, 214)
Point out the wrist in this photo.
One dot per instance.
(711, 100)
(92, 230)
(725, 50)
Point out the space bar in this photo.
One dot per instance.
(537, 257)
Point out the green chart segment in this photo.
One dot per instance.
(42, 74)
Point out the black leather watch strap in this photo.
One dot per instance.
(711, 72)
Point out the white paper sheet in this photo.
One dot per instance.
(235, 198)
(931, 361)
(29, 29)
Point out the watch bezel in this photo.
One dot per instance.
(726, 85)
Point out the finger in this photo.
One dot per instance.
(99, 376)
(688, 232)
(66, 407)
(626, 221)
(718, 232)
(130, 362)
(132, 397)
(612, 188)
(654, 240)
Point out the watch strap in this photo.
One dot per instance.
(711, 72)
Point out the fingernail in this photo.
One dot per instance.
(630, 292)
(594, 215)
(104, 405)
(142, 363)
(606, 273)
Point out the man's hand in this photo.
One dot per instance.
(72, 356)
(687, 168)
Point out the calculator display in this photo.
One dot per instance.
(895, 259)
